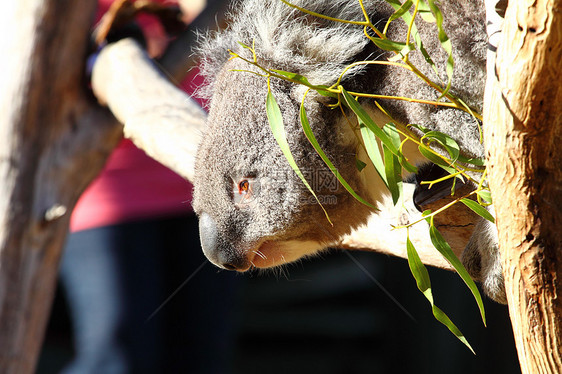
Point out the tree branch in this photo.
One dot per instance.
(523, 133)
(157, 116)
(55, 140)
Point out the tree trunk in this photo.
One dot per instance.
(56, 138)
(523, 132)
(54, 141)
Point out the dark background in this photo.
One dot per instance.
(326, 315)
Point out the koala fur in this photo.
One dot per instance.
(278, 222)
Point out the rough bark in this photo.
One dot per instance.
(523, 132)
(54, 142)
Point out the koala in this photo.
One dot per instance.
(254, 211)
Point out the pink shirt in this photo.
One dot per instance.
(132, 186)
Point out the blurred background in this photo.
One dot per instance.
(325, 316)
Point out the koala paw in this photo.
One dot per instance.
(481, 257)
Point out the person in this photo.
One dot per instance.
(141, 295)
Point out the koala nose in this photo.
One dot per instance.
(208, 235)
(229, 258)
(238, 263)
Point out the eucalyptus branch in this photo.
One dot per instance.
(359, 63)
(409, 99)
(410, 26)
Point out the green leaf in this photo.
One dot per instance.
(407, 17)
(294, 76)
(392, 171)
(444, 319)
(312, 139)
(435, 159)
(321, 89)
(324, 91)
(446, 142)
(367, 121)
(443, 247)
(401, 9)
(485, 195)
(445, 42)
(478, 209)
(392, 167)
(392, 131)
(423, 129)
(425, 12)
(390, 45)
(419, 271)
(245, 46)
(373, 152)
(472, 161)
(276, 123)
(449, 144)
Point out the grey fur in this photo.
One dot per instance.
(281, 220)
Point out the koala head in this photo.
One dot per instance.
(254, 210)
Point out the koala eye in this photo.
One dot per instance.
(244, 190)
(243, 186)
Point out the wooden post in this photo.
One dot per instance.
(523, 133)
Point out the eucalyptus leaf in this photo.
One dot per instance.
(444, 319)
(403, 8)
(445, 42)
(312, 139)
(446, 142)
(294, 76)
(373, 151)
(419, 271)
(245, 46)
(485, 195)
(472, 161)
(478, 209)
(435, 159)
(426, 212)
(392, 172)
(443, 247)
(425, 12)
(278, 128)
(392, 167)
(367, 121)
(390, 45)
(407, 17)
(423, 129)
(298, 78)
(392, 131)
(360, 165)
